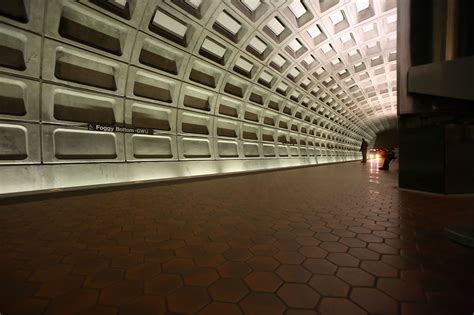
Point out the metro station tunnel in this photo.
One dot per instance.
(260, 157)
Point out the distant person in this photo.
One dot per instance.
(363, 149)
(389, 156)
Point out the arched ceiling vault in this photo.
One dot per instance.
(339, 54)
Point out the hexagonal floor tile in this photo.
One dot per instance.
(263, 263)
(103, 278)
(163, 284)
(293, 273)
(352, 242)
(209, 260)
(343, 232)
(383, 249)
(120, 292)
(334, 247)
(263, 281)
(258, 303)
(356, 277)
(374, 301)
(143, 271)
(228, 290)
(343, 259)
(200, 277)
(326, 237)
(379, 269)
(364, 254)
(287, 245)
(178, 265)
(264, 250)
(235, 269)
(289, 257)
(320, 266)
(308, 241)
(190, 251)
(188, 300)
(313, 252)
(159, 255)
(338, 306)
(328, 285)
(370, 238)
(171, 244)
(145, 305)
(237, 254)
(298, 295)
(217, 247)
(241, 243)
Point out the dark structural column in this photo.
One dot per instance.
(436, 95)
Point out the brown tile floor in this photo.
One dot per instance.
(336, 239)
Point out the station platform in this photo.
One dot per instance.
(332, 239)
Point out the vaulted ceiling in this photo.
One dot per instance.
(340, 53)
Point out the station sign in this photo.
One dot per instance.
(120, 129)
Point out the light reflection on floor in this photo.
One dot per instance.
(374, 165)
(374, 170)
(374, 177)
